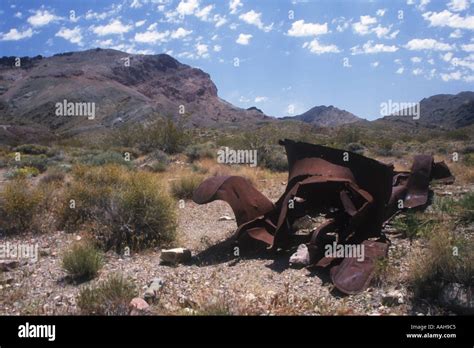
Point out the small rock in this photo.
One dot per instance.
(78, 238)
(457, 297)
(300, 257)
(6, 266)
(225, 218)
(152, 293)
(176, 255)
(6, 280)
(250, 297)
(138, 306)
(393, 298)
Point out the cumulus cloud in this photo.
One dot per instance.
(427, 44)
(400, 70)
(202, 50)
(243, 39)
(317, 48)
(260, 99)
(370, 48)
(234, 6)
(72, 35)
(449, 19)
(458, 5)
(468, 47)
(152, 36)
(367, 25)
(15, 35)
(300, 28)
(255, 18)
(180, 33)
(115, 27)
(187, 7)
(42, 18)
(456, 75)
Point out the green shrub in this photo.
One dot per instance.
(53, 176)
(122, 208)
(184, 187)
(107, 157)
(273, 158)
(355, 147)
(82, 261)
(33, 149)
(412, 225)
(25, 172)
(18, 205)
(110, 297)
(199, 151)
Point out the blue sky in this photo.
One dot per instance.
(281, 56)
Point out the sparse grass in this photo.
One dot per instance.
(82, 261)
(107, 157)
(413, 225)
(110, 297)
(447, 259)
(184, 187)
(200, 151)
(467, 208)
(122, 208)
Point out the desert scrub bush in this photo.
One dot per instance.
(273, 158)
(123, 208)
(412, 225)
(40, 162)
(183, 188)
(355, 147)
(82, 261)
(110, 297)
(447, 259)
(159, 161)
(25, 173)
(53, 176)
(19, 202)
(199, 151)
(107, 157)
(33, 149)
(468, 159)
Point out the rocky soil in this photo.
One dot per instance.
(215, 280)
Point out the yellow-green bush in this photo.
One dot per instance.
(184, 187)
(19, 202)
(122, 208)
(82, 261)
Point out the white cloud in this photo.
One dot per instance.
(180, 33)
(370, 48)
(417, 71)
(381, 12)
(202, 50)
(217, 48)
(234, 6)
(447, 57)
(244, 39)
(72, 35)
(41, 18)
(140, 23)
(427, 44)
(315, 47)
(449, 19)
(458, 5)
(187, 7)
(400, 70)
(468, 47)
(415, 59)
(152, 36)
(255, 18)
(203, 13)
(219, 20)
(95, 15)
(18, 15)
(456, 34)
(366, 26)
(456, 75)
(15, 35)
(300, 28)
(260, 99)
(113, 28)
(135, 4)
(375, 64)
(465, 63)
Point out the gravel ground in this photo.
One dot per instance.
(215, 281)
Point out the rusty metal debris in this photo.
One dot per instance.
(355, 194)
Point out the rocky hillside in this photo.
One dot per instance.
(125, 88)
(326, 116)
(443, 111)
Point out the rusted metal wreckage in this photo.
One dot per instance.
(355, 194)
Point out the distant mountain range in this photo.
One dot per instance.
(127, 88)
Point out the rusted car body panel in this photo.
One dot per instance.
(356, 195)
